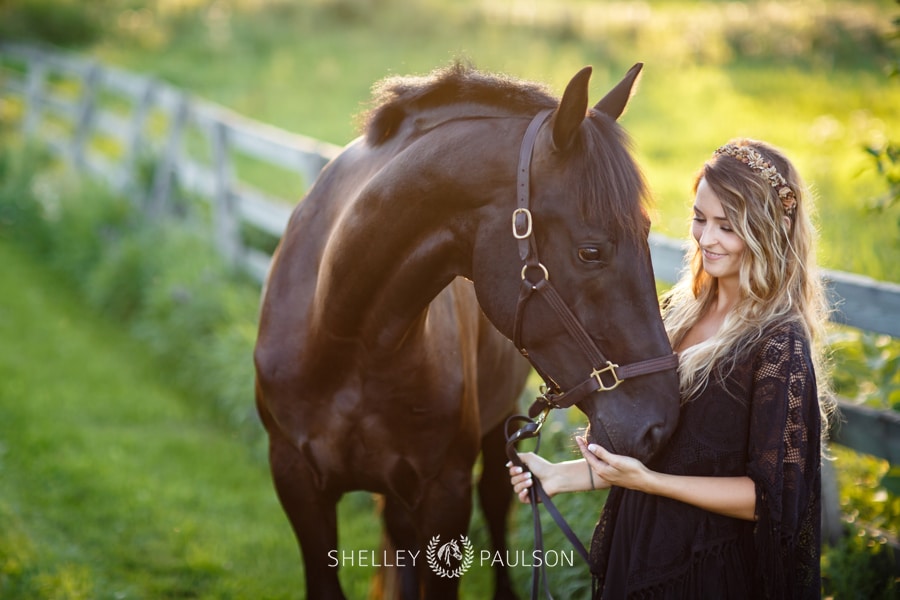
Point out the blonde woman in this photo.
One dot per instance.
(731, 507)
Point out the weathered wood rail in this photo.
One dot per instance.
(65, 101)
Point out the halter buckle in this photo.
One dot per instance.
(542, 417)
(611, 369)
(528, 223)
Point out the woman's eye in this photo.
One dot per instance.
(590, 255)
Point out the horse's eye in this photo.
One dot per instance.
(590, 254)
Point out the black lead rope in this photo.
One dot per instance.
(537, 495)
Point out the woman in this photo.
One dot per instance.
(731, 507)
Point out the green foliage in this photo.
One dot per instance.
(860, 567)
(866, 368)
(887, 164)
(58, 22)
(862, 564)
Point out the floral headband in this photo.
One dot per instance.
(756, 162)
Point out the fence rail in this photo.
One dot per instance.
(62, 98)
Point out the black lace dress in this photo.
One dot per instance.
(768, 428)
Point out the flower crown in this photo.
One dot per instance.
(756, 162)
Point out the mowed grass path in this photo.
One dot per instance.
(111, 484)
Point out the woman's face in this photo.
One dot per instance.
(720, 245)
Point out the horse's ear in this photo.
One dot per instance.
(613, 103)
(572, 109)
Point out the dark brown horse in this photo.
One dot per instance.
(379, 364)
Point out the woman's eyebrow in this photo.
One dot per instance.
(719, 218)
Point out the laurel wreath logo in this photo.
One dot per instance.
(438, 553)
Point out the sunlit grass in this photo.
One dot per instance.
(806, 77)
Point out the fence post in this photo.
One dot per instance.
(85, 114)
(128, 174)
(34, 93)
(165, 169)
(227, 230)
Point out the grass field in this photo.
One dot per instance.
(810, 77)
(115, 482)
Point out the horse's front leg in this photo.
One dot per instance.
(402, 534)
(444, 517)
(495, 497)
(313, 517)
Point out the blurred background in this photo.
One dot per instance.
(818, 78)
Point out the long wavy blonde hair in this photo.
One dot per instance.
(778, 278)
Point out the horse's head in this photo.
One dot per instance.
(449, 549)
(573, 256)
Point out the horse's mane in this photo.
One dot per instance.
(394, 97)
(606, 168)
(609, 173)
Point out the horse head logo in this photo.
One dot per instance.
(449, 549)
(450, 559)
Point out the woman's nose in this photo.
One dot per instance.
(705, 237)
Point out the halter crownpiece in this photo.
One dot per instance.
(756, 162)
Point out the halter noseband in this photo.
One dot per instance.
(606, 375)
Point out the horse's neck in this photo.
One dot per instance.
(406, 231)
(381, 267)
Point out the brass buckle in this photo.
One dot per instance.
(539, 421)
(611, 369)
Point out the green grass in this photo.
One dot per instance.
(113, 486)
(116, 477)
(116, 484)
(810, 79)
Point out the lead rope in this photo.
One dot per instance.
(537, 495)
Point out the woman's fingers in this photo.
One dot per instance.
(521, 481)
(592, 454)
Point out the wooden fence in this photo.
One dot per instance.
(192, 144)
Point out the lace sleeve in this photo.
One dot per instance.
(784, 463)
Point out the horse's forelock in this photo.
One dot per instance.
(611, 184)
(394, 98)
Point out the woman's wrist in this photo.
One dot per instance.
(573, 476)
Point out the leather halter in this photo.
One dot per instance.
(522, 226)
(606, 375)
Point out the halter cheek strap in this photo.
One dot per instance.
(605, 375)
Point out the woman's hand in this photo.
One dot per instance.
(615, 469)
(521, 479)
(566, 476)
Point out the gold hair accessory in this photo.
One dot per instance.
(756, 162)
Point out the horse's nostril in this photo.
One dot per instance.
(653, 439)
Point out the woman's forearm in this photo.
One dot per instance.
(572, 476)
(730, 496)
